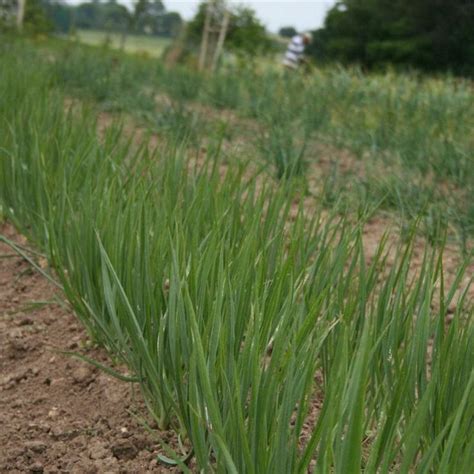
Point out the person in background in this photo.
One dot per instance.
(294, 55)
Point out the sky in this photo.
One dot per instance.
(302, 14)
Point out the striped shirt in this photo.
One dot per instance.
(294, 53)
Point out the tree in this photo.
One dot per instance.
(60, 14)
(245, 34)
(87, 15)
(287, 31)
(151, 17)
(428, 34)
(35, 19)
(147, 16)
(8, 13)
(113, 16)
(170, 25)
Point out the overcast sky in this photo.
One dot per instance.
(302, 14)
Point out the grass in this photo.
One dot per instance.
(262, 336)
(150, 46)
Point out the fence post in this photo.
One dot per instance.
(20, 13)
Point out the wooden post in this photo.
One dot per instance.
(123, 38)
(221, 39)
(205, 38)
(215, 27)
(20, 14)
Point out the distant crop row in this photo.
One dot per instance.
(269, 343)
(427, 123)
(413, 136)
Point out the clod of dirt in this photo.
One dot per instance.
(17, 349)
(124, 449)
(15, 377)
(53, 413)
(63, 434)
(83, 375)
(36, 446)
(98, 450)
(451, 309)
(36, 467)
(85, 467)
(25, 321)
(16, 333)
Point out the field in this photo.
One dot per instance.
(139, 44)
(281, 265)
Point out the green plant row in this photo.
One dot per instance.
(269, 343)
(413, 135)
(425, 122)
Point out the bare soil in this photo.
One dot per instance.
(59, 414)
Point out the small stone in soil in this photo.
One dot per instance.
(36, 467)
(82, 375)
(36, 446)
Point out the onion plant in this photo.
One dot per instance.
(267, 338)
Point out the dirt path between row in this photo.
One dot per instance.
(58, 414)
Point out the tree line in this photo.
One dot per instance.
(245, 34)
(432, 35)
(145, 17)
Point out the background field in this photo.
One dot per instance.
(150, 45)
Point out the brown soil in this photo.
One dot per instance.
(58, 414)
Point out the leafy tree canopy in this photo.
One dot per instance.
(35, 19)
(287, 31)
(428, 34)
(245, 33)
